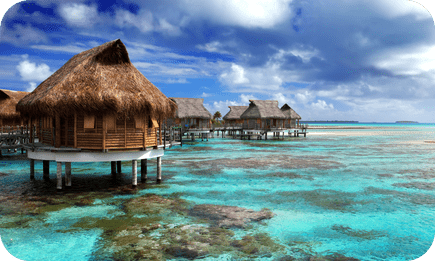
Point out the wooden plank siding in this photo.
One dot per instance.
(73, 134)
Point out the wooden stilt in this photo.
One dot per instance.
(134, 173)
(118, 165)
(46, 169)
(159, 169)
(113, 167)
(143, 170)
(32, 169)
(68, 174)
(59, 176)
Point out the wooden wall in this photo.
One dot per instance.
(124, 136)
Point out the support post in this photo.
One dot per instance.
(118, 165)
(32, 169)
(75, 130)
(104, 132)
(113, 167)
(59, 176)
(125, 132)
(159, 169)
(134, 173)
(143, 170)
(164, 138)
(46, 169)
(68, 174)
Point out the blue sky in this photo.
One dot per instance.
(328, 59)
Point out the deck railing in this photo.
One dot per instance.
(170, 134)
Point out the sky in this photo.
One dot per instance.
(363, 60)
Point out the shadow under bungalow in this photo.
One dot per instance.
(97, 107)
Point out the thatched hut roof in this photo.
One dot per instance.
(235, 112)
(8, 103)
(97, 81)
(263, 109)
(289, 112)
(191, 108)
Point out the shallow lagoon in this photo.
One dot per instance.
(369, 197)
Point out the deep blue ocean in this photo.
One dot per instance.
(368, 194)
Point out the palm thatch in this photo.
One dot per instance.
(235, 112)
(290, 113)
(98, 81)
(191, 108)
(8, 103)
(263, 109)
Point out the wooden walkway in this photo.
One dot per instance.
(13, 138)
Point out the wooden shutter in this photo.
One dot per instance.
(155, 123)
(139, 121)
(111, 121)
(89, 121)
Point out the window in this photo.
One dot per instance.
(89, 122)
(110, 122)
(139, 121)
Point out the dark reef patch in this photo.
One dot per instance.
(413, 198)
(417, 185)
(327, 199)
(228, 216)
(358, 233)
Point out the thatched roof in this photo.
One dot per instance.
(98, 81)
(289, 112)
(191, 108)
(235, 112)
(8, 103)
(265, 109)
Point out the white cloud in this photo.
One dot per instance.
(221, 106)
(282, 99)
(407, 61)
(235, 77)
(31, 72)
(322, 105)
(143, 21)
(180, 80)
(61, 48)
(79, 15)
(245, 13)
(305, 53)
(32, 86)
(244, 98)
(399, 8)
(304, 96)
(168, 28)
(21, 35)
(205, 95)
(213, 47)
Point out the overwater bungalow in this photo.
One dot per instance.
(292, 118)
(261, 117)
(97, 107)
(8, 113)
(232, 118)
(192, 116)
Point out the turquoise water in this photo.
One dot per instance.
(369, 197)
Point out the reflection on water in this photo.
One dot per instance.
(335, 197)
